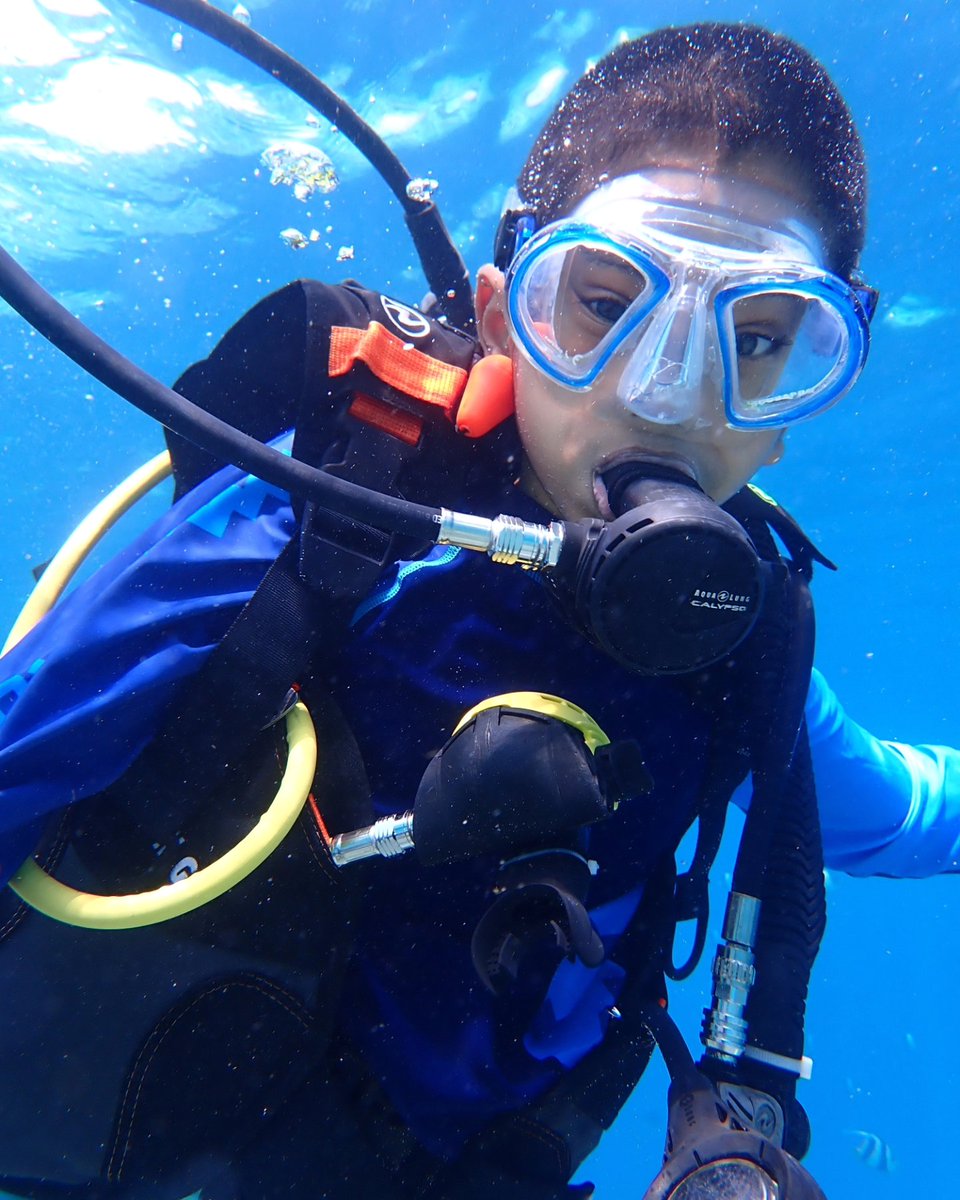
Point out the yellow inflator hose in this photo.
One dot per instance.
(63, 903)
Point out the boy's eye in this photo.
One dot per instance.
(756, 345)
(608, 309)
(602, 285)
(766, 325)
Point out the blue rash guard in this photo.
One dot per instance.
(81, 695)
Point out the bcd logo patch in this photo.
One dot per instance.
(409, 322)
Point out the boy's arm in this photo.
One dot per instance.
(84, 691)
(886, 808)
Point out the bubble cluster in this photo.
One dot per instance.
(294, 239)
(421, 189)
(301, 167)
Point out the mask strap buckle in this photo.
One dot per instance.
(517, 226)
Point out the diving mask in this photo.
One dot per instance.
(679, 302)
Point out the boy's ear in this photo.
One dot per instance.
(778, 450)
(491, 316)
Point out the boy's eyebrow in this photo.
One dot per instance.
(603, 258)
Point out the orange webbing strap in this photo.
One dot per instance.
(397, 363)
(395, 421)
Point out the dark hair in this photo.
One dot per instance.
(737, 88)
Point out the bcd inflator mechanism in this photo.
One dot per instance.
(520, 773)
(520, 778)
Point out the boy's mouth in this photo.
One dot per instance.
(676, 462)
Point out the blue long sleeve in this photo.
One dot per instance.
(886, 808)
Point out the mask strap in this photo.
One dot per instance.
(869, 298)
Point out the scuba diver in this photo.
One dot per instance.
(674, 286)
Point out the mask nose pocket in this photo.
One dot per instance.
(664, 377)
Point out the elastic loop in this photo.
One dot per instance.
(686, 969)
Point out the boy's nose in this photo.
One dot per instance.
(666, 378)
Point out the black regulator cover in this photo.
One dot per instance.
(672, 584)
(521, 784)
(512, 780)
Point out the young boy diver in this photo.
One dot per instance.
(675, 286)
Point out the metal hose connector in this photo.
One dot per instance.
(385, 838)
(504, 539)
(724, 1026)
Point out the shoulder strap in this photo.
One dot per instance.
(298, 358)
(762, 516)
(308, 595)
(220, 715)
(257, 377)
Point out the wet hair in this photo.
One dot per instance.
(737, 90)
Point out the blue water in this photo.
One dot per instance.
(132, 188)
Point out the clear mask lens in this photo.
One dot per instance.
(787, 350)
(576, 296)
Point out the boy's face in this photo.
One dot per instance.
(570, 435)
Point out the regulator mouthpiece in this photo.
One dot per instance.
(673, 583)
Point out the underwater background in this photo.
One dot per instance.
(132, 187)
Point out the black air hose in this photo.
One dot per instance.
(780, 860)
(444, 268)
(792, 915)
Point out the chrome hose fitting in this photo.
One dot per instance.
(387, 838)
(724, 1031)
(505, 539)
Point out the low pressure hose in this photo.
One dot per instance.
(779, 865)
(194, 423)
(504, 539)
(442, 263)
